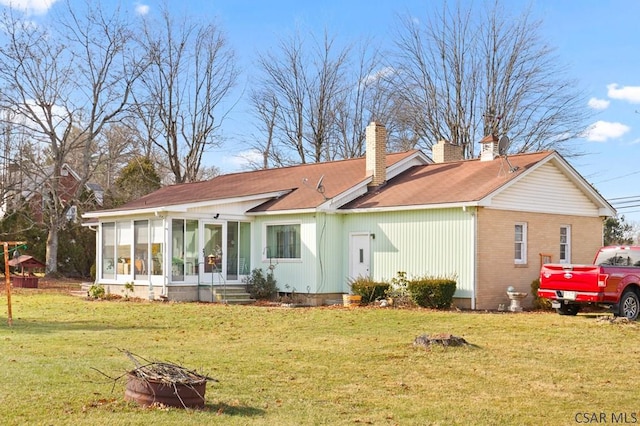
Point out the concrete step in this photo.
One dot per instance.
(232, 295)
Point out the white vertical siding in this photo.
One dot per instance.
(545, 190)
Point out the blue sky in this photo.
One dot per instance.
(597, 40)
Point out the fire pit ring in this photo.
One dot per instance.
(146, 392)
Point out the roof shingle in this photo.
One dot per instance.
(299, 180)
(454, 182)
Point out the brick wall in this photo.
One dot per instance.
(496, 267)
(444, 152)
(376, 145)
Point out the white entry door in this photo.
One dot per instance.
(359, 255)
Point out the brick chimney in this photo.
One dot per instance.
(376, 138)
(444, 152)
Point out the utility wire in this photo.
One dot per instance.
(618, 177)
(625, 198)
(633, 211)
(620, 203)
(627, 207)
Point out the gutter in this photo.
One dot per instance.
(165, 255)
(474, 214)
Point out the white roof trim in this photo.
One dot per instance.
(361, 188)
(418, 158)
(282, 212)
(208, 203)
(412, 207)
(604, 208)
(346, 196)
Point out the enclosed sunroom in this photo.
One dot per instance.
(180, 258)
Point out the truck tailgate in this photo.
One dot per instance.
(582, 278)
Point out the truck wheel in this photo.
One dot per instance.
(629, 305)
(568, 310)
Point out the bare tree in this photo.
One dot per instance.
(121, 142)
(466, 73)
(365, 99)
(65, 82)
(314, 99)
(325, 85)
(13, 147)
(296, 98)
(192, 70)
(281, 89)
(526, 89)
(265, 106)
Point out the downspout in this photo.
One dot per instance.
(474, 215)
(148, 268)
(167, 263)
(152, 295)
(199, 272)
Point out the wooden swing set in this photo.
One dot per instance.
(7, 275)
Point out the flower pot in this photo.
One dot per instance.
(351, 299)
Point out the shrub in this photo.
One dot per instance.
(96, 291)
(538, 303)
(368, 289)
(128, 288)
(398, 290)
(432, 292)
(260, 286)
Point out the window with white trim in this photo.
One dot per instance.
(108, 251)
(520, 248)
(283, 241)
(565, 244)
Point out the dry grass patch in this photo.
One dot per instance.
(313, 365)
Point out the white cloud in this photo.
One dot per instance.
(624, 93)
(382, 73)
(38, 7)
(142, 9)
(602, 131)
(241, 161)
(596, 103)
(59, 117)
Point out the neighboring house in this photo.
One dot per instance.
(486, 221)
(32, 189)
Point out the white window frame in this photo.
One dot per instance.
(522, 259)
(265, 255)
(566, 244)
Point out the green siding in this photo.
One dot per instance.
(291, 275)
(332, 259)
(418, 242)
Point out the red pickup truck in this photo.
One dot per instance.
(613, 282)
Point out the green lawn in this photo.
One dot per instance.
(333, 365)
